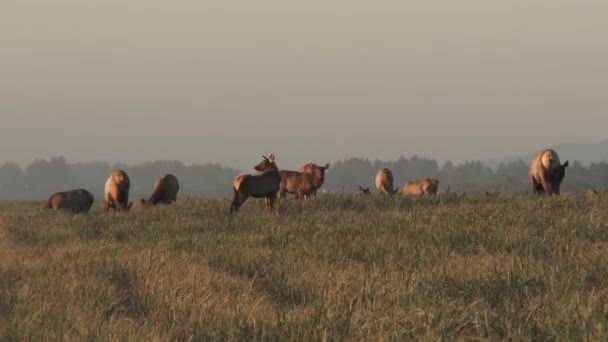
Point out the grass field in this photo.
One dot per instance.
(338, 268)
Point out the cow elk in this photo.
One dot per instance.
(74, 201)
(424, 186)
(384, 182)
(257, 186)
(547, 173)
(164, 191)
(302, 183)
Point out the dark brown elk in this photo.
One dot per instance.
(117, 191)
(424, 186)
(302, 183)
(265, 185)
(384, 182)
(310, 168)
(364, 191)
(547, 173)
(75, 201)
(164, 191)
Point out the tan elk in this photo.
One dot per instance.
(384, 182)
(117, 191)
(302, 183)
(424, 186)
(310, 168)
(164, 191)
(257, 186)
(547, 173)
(75, 201)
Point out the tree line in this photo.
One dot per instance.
(43, 177)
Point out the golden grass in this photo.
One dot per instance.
(337, 267)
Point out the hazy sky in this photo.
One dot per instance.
(315, 80)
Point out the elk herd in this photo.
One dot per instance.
(546, 174)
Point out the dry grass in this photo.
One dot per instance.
(338, 267)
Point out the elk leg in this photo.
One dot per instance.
(269, 202)
(236, 202)
(118, 205)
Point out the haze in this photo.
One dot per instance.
(211, 81)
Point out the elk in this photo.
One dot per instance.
(363, 191)
(384, 182)
(310, 168)
(547, 173)
(428, 186)
(75, 201)
(257, 186)
(301, 183)
(117, 191)
(164, 191)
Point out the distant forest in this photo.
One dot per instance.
(43, 177)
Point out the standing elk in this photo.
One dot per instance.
(75, 201)
(547, 173)
(257, 186)
(384, 182)
(117, 191)
(302, 183)
(310, 168)
(164, 191)
(424, 186)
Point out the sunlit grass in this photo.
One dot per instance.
(336, 267)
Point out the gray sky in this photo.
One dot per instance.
(314, 80)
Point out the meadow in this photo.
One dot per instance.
(338, 267)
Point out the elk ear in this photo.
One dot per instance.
(271, 158)
(360, 188)
(565, 165)
(326, 166)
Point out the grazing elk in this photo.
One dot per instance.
(310, 168)
(117, 191)
(164, 191)
(302, 183)
(265, 185)
(424, 186)
(75, 201)
(547, 173)
(384, 182)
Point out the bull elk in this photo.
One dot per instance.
(547, 173)
(424, 186)
(257, 186)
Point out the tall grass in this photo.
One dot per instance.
(337, 267)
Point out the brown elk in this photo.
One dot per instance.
(547, 173)
(424, 186)
(164, 191)
(117, 191)
(75, 201)
(363, 191)
(310, 168)
(257, 186)
(384, 181)
(302, 183)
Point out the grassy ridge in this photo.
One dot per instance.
(338, 267)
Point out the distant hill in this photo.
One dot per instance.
(584, 153)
